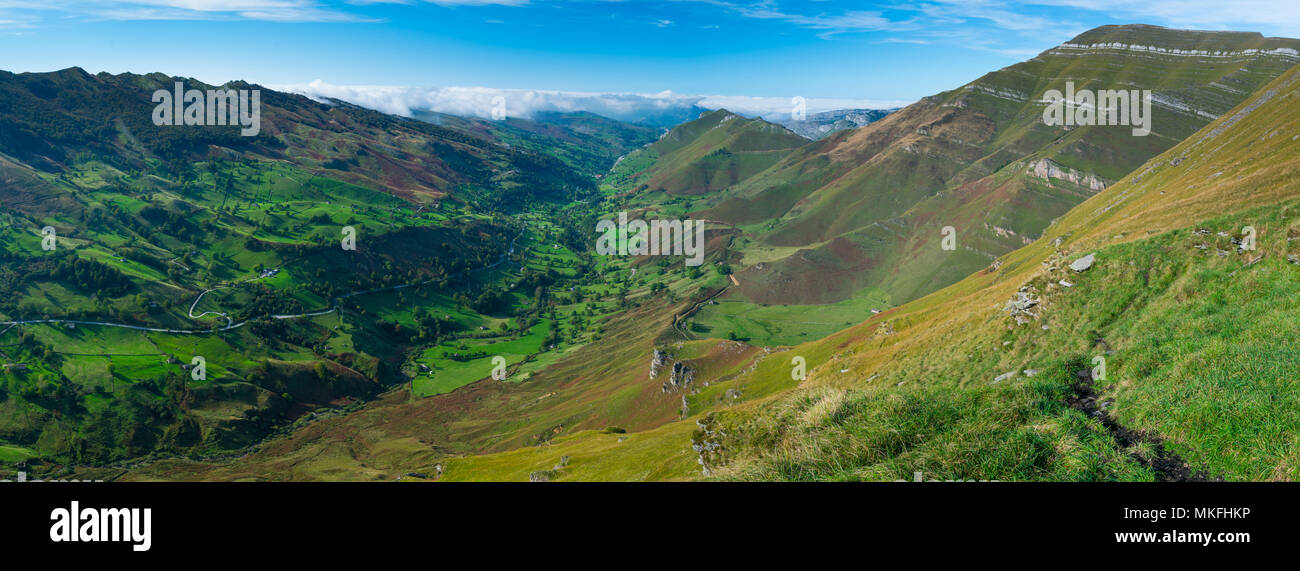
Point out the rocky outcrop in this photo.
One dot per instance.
(707, 442)
(657, 362)
(1082, 264)
(1286, 53)
(1048, 169)
(541, 476)
(1021, 307)
(680, 376)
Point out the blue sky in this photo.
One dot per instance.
(875, 51)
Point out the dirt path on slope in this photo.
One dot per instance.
(1168, 466)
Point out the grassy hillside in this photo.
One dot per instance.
(865, 208)
(716, 151)
(587, 142)
(53, 121)
(606, 383)
(1196, 333)
(1167, 359)
(177, 243)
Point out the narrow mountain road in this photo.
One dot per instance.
(230, 324)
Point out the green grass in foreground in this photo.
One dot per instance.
(1021, 431)
(1201, 349)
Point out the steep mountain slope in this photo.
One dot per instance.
(1171, 358)
(47, 120)
(987, 378)
(589, 143)
(718, 150)
(865, 207)
(1194, 327)
(133, 256)
(949, 384)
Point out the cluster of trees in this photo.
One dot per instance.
(431, 328)
(171, 221)
(464, 354)
(88, 275)
(269, 301)
(277, 332)
(490, 300)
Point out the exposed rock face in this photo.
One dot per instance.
(707, 442)
(657, 362)
(885, 329)
(1288, 53)
(679, 376)
(1046, 169)
(1021, 307)
(1082, 264)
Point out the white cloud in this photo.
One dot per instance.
(478, 2)
(477, 101)
(780, 107)
(827, 24)
(267, 10)
(1280, 16)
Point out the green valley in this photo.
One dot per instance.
(954, 287)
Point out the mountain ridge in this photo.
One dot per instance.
(866, 204)
(950, 384)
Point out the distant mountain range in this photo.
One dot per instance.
(819, 125)
(661, 110)
(586, 141)
(50, 121)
